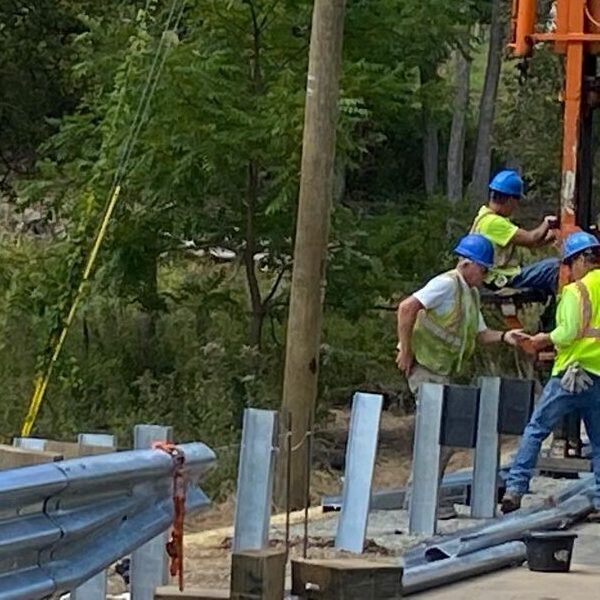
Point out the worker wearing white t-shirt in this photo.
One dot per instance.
(440, 325)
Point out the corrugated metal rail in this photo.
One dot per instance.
(61, 523)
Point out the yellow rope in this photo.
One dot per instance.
(41, 382)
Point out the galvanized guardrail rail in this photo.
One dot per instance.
(64, 522)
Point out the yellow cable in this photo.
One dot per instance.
(41, 383)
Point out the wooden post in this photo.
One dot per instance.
(312, 233)
(351, 579)
(258, 575)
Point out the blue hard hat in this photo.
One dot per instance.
(579, 242)
(477, 248)
(507, 182)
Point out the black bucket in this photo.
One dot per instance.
(550, 551)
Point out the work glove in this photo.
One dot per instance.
(575, 380)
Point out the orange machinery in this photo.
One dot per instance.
(575, 35)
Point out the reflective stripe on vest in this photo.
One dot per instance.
(585, 331)
(442, 342)
(439, 332)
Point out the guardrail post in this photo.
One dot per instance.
(94, 588)
(254, 493)
(426, 460)
(149, 564)
(29, 443)
(358, 476)
(487, 451)
(106, 440)
(446, 416)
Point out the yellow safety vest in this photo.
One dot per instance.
(506, 261)
(442, 343)
(585, 349)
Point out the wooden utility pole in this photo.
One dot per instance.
(312, 233)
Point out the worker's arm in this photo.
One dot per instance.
(534, 237)
(493, 336)
(487, 336)
(568, 322)
(407, 316)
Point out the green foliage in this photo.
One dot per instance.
(168, 335)
(530, 113)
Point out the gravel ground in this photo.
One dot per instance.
(208, 565)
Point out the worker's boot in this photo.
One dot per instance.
(510, 502)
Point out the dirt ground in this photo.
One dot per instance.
(208, 535)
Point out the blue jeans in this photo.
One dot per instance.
(541, 275)
(554, 404)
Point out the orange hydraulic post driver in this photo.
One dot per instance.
(575, 35)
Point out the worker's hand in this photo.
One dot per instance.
(405, 361)
(541, 340)
(551, 236)
(551, 222)
(514, 337)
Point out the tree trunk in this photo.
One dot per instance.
(256, 304)
(456, 145)
(257, 307)
(149, 299)
(487, 107)
(430, 134)
(310, 251)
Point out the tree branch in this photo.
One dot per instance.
(275, 287)
(225, 20)
(264, 20)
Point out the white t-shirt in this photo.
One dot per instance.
(438, 295)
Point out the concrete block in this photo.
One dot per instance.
(13, 458)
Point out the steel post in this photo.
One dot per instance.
(29, 443)
(487, 451)
(254, 494)
(512, 527)
(94, 588)
(426, 460)
(149, 564)
(358, 477)
(435, 574)
(106, 440)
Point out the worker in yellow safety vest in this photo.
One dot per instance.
(440, 325)
(575, 381)
(493, 222)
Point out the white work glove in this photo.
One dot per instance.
(575, 380)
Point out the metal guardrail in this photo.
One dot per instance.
(64, 522)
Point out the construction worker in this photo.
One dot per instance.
(493, 221)
(439, 326)
(575, 381)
